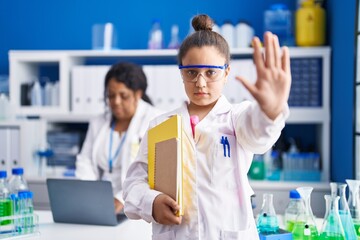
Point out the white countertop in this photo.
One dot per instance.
(126, 230)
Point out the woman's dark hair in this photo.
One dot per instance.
(131, 74)
(204, 36)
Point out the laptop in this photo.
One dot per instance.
(82, 202)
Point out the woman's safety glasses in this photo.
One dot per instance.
(211, 73)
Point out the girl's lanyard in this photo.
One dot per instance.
(112, 159)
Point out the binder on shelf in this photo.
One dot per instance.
(4, 148)
(14, 149)
(87, 89)
(165, 158)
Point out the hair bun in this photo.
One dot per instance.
(202, 22)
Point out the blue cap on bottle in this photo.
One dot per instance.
(3, 174)
(24, 194)
(294, 194)
(278, 6)
(17, 171)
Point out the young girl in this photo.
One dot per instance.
(216, 189)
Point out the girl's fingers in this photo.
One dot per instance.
(285, 60)
(258, 56)
(269, 49)
(277, 51)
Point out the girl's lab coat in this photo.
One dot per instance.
(215, 184)
(88, 165)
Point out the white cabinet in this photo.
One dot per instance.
(307, 106)
(20, 140)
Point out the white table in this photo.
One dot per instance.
(126, 230)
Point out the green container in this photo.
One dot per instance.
(6, 210)
(257, 168)
(302, 231)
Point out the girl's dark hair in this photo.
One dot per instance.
(204, 36)
(131, 74)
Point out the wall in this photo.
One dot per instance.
(66, 24)
(341, 18)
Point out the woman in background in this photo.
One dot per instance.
(112, 139)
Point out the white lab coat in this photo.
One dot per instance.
(88, 165)
(216, 188)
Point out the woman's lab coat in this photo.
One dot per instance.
(87, 163)
(215, 185)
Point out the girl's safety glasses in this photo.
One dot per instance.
(211, 73)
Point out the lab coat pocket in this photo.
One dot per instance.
(164, 236)
(224, 162)
(248, 234)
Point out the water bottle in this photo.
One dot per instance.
(278, 20)
(48, 92)
(17, 181)
(228, 32)
(55, 95)
(6, 206)
(36, 94)
(244, 34)
(216, 28)
(294, 207)
(156, 36)
(174, 42)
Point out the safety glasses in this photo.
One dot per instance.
(210, 73)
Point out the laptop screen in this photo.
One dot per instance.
(82, 202)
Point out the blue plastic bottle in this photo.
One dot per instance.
(278, 20)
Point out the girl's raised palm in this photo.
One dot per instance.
(272, 87)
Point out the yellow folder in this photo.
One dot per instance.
(165, 156)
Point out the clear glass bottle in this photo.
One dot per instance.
(332, 227)
(305, 226)
(155, 36)
(17, 181)
(338, 189)
(174, 41)
(6, 206)
(267, 221)
(354, 203)
(293, 209)
(26, 210)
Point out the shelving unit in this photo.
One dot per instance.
(25, 64)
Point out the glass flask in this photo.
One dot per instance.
(338, 189)
(305, 226)
(354, 203)
(293, 209)
(267, 221)
(332, 227)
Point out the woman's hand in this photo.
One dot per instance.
(272, 87)
(164, 210)
(118, 206)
